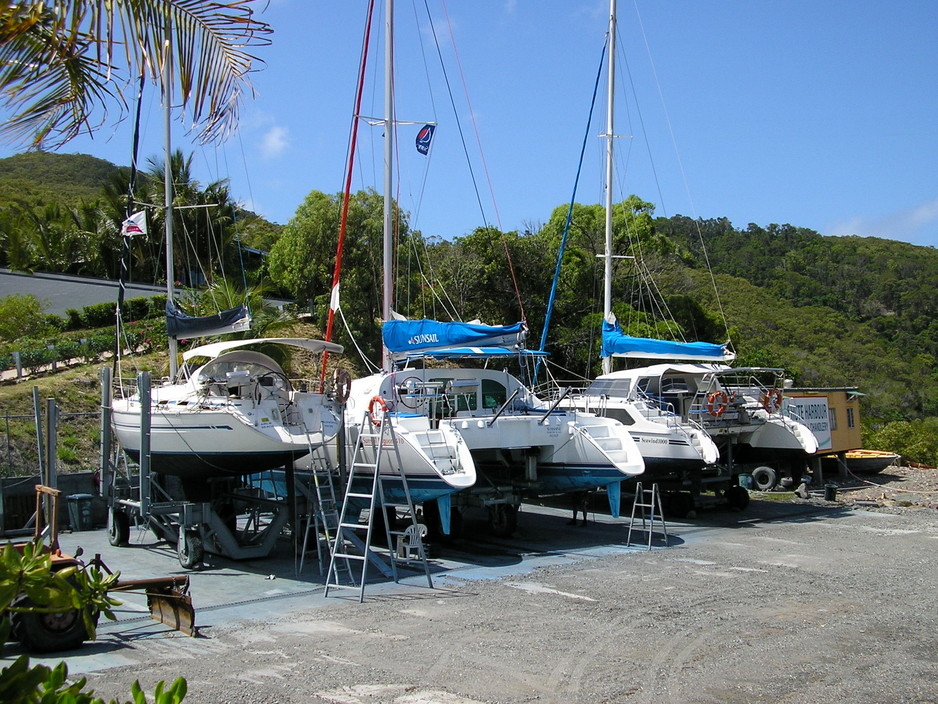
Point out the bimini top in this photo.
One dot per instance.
(216, 348)
(410, 339)
(618, 344)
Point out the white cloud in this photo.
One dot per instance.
(274, 142)
(918, 224)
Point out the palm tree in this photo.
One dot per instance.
(63, 63)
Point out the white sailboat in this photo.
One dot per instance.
(235, 414)
(674, 448)
(520, 444)
(740, 407)
(696, 395)
(433, 458)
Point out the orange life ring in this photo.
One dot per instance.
(717, 403)
(342, 384)
(772, 400)
(382, 409)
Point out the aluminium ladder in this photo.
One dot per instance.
(324, 515)
(646, 503)
(347, 547)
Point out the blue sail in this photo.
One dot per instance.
(406, 337)
(618, 344)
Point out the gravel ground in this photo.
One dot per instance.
(831, 602)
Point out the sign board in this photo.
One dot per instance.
(811, 411)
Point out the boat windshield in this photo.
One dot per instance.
(614, 388)
(239, 365)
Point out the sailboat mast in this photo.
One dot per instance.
(610, 136)
(388, 163)
(168, 193)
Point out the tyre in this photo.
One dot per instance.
(503, 519)
(190, 549)
(737, 498)
(764, 478)
(118, 527)
(47, 633)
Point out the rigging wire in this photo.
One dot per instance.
(125, 239)
(353, 138)
(700, 236)
(566, 229)
(511, 266)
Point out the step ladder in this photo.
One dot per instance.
(323, 516)
(347, 547)
(647, 503)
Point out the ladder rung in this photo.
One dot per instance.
(357, 495)
(348, 556)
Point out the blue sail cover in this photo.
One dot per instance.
(618, 344)
(405, 338)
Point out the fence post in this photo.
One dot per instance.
(18, 361)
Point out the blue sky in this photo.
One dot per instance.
(818, 114)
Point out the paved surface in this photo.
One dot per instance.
(781, 603)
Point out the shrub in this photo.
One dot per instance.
(22, 316)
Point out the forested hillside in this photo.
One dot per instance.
(833, 311)
(65, 178)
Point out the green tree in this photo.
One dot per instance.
(63, 64)
(302, 260)
(22, 315)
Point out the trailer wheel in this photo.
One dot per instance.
(764, 478)
(503, 519)
(46, 633)
(737, 498)
(190, 549)
(118, 527)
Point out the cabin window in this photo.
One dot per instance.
(851, 423)
(460, 394)
(832, 415)
(494, 394)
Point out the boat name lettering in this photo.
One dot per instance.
(423, 338)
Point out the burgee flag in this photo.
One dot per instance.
(136, 224)
(423, 138)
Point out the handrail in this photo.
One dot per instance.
(502, 408)
(554, 405)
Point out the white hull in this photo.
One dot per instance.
(564, 450)
(236, 415)
(435, 460)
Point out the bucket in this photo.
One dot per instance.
(830, 492)
(79, 511)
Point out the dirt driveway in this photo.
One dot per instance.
(786, 602)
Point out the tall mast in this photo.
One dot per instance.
(610, 136)
(168, 190)
(388, 164)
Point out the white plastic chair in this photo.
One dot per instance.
(410, 542)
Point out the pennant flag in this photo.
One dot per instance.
(334, 298)
(423, 138)
(136, 224)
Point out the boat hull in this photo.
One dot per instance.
(222, 439)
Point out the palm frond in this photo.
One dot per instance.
(60, 62)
